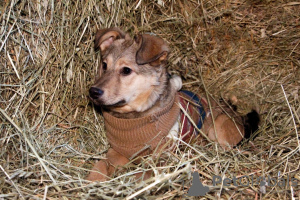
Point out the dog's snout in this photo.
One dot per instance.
(95, 93)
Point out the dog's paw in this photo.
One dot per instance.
(240, 105)
(99, 172)
(176, 82)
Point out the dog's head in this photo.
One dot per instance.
(132, 73)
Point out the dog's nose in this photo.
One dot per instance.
(95, 93)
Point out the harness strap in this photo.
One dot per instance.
(193, 105)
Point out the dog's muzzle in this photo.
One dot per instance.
(95, 93)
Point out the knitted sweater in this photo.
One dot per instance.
(141, 136)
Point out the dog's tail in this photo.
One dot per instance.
(251, 123)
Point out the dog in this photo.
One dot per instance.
(144, 109)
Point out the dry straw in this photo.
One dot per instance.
(50, 135)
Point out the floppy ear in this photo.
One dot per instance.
(152, 50)
(105, 37)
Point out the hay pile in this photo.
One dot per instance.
(50, 135)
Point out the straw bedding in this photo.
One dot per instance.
(50, 135)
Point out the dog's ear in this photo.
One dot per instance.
(105, 37)
(152, 50)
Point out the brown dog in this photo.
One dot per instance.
(142, 108)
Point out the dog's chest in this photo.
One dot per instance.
(181, 118)
(174, 132)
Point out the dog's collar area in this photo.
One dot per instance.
(129, 136)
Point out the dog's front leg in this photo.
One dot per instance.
(99, 171)
(103, 169)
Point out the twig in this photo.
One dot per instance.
(292, 117)
(13, 65)
(159, 180)
(12, 182)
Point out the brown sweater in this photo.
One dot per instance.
(141, 136)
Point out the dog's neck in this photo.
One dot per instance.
(148, 132)
(161, 96)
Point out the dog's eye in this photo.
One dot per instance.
(104, 66)
(126, 71)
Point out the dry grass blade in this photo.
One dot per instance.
(50, 135)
